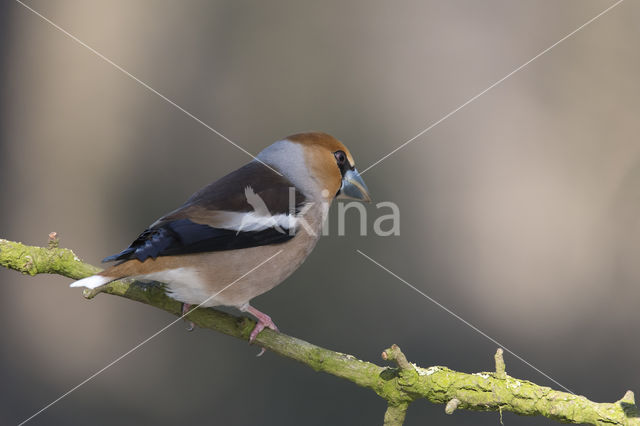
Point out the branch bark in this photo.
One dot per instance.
(399, 385)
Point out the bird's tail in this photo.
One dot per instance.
(92, 282)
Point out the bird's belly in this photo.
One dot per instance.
(225, 278)
(183, 284)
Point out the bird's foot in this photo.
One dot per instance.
(264, 321)
(261, 325)
(185, 310)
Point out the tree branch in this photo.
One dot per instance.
(399, 385)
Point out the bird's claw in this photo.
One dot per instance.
(264, 322)
(261, 325)
(185, 310)
(257, 329)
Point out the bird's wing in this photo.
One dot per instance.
(224, 216)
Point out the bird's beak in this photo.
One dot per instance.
(353, 187)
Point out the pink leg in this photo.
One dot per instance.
(185, 309)
(264, 320)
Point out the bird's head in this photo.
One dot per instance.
(319, 164)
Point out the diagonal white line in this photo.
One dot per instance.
(467, 323)
(434, 124)
(142, 343)
(142, 83)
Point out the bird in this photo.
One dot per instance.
(246, 232)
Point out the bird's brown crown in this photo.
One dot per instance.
(322, 140)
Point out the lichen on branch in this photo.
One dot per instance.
(398, 385)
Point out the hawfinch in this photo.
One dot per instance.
(265, 216)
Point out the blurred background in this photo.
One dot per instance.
(521, 212)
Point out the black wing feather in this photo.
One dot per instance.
(184, 237)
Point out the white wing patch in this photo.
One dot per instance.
(258, 219)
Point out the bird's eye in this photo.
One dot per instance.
(341, 157)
